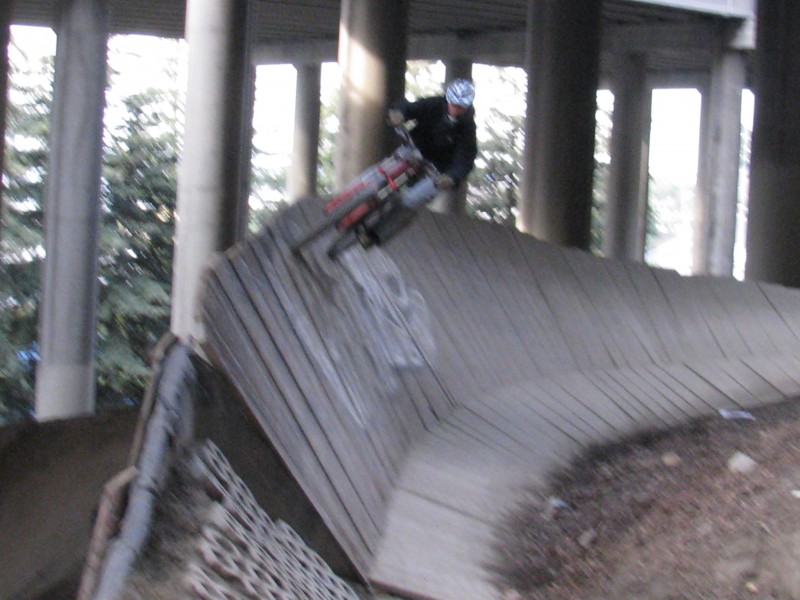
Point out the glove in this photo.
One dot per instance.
(445, 182)
(396, 117)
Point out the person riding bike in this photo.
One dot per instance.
(445, 134)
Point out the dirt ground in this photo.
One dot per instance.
(667, 516)
(655, 518)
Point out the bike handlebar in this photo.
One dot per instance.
(405, 134)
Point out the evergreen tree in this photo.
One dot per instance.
(136, 247)
(23, 241)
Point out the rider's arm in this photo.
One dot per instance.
(420, 109)
(466, 151)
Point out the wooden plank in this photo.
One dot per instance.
(455, 332)
(480, 313)
(513, 352)
(660, 312)
(289, 442)
(694, 334)
(581, 389)
(348, 429)
(716, 376)
(377, 450)
(522, 399)
(713, 311)
(753, 381)
(651, 414)
(539, 342)
(772, 369)
(787, 304)
(555, 284)
(545, 343)
(470, 477)
(666, 376)
(704, 390)
(608, 307)
(431, 552)
(783, 370)
(600, 426)
(639, 310)
(747, 308)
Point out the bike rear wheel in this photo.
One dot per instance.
(331, 219)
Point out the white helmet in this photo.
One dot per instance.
(460, 92)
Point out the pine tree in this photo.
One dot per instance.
(136, 247)
(27, 130)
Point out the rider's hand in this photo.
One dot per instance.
(445, 182)
(396, 117)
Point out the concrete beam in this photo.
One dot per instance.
(506, 48)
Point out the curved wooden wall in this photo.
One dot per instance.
(417, 390)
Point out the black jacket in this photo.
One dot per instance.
(450, 146)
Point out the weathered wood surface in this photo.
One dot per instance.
(417, 391)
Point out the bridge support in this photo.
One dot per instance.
(626, 211)
(372, 54)
(212, 182)
(302, 179)
(773, 236)
(65, 383)
(718, 168)
(562, 61)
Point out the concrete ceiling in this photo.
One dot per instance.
(678, 35)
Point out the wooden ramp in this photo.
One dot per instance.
(417, 391)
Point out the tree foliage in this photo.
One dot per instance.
(22, 245)
(138, 192)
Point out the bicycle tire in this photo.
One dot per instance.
(330, 220)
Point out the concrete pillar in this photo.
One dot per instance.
(562, 60)
(65, 378)
(718, 169)
(305, 149)
(773, 227)
(5, 38)
(773, 238)
(210, 204)
(454, 201)
(626, 209)
(372, 55)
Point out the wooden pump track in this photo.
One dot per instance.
(417, 391)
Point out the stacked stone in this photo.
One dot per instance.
(242, 553)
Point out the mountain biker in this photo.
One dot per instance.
(445, 135)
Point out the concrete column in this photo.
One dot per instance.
(773, 229)
(65, 378)
(5, 38)
(372, 55)
(210, 204)
(305, 148)
(562, 61)
(454, 201)
(626, 209)
(718, 171)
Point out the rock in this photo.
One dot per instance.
(705, 529)
(671, 459)
(552, 507)
(741, 463)
(588, 537)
